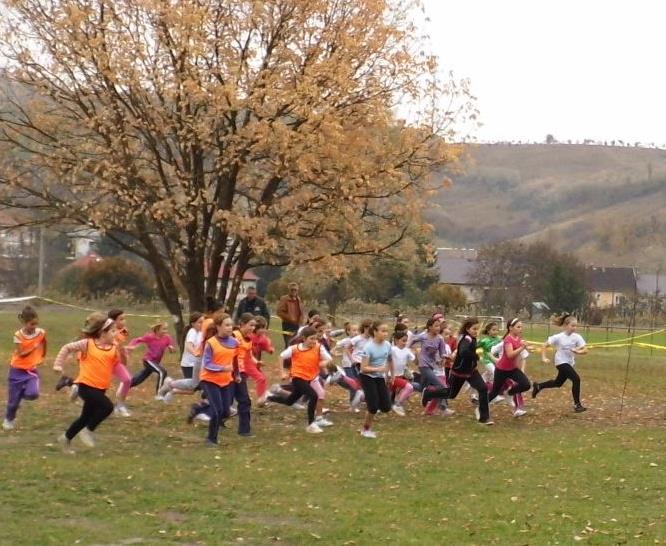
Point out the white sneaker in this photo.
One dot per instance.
(477, 413)
(368, 433)
(87, 438)
(519, 412)
(313, 428)
(159, 398)
(122, 411)
(298, 406)
(397, 408)
(73, 392)
(358, 398)
(232, 412)
(323, 422)
(447, 412)
(203, 417)
(499, 398)
(8, 425)
(261, 401)
(66, 444)
(275, 389)
(168, 397)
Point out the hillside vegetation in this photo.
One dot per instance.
(604, 203)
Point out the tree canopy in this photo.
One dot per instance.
(210, 136)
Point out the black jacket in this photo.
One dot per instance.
(256, 307)
(466, 358)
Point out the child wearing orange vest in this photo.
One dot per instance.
(307, 359)
(247, 367)
(98, 358)
(29, 352)
(219, 371)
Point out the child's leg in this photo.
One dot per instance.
(143, 374)
(16, 386)
(318, 388)
(162, 374)
(405, 393)
(123, 375)
(371, 400)
(242, 396)
(214, 394)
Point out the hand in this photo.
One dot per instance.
(57, 369)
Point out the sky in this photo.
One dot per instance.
(576, 69)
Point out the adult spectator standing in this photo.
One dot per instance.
(290, 310)
(252, 304)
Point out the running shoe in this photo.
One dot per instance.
(313, 428)
(368, 433)
(8, 425)
(397, 408)
(87, 438)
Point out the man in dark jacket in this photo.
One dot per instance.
(252, 304)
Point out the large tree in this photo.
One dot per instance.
(208, 136)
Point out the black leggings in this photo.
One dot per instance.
(377, 397)
(96, 408)
(301, 387)
(517, 375)
(476, 382)
(188, 371)
(150, 368)
(564, 372)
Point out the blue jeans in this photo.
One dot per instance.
(219, 400)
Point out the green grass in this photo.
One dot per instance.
(545, 479)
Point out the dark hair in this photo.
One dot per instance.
(261, 322)
(194, 317)
(27, 314)
(115, 313)
(400, 328)
(399, 334)
(488, 327)
(511, 324)
(469, 322)
(307, 332)
(431, 322)
(245, 318)
(312, 313)
(564, 319)
(213, 305)
(374, 327)
(365, 325)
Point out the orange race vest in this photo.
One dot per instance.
(35, 358)
(96, 366)
(244, 350)
(222, 356)
(305, 364)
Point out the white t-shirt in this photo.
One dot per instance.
(563, 345)
(401, 359)
(357, 343)
(289, 351)
(343, 345)
(194, 337)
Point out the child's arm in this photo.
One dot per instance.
(66, 350)
(544, 358)
(511, 352)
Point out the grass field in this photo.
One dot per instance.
(552, 477)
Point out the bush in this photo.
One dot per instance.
(104, 277)
(446, 296)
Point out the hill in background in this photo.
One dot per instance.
(606, 204)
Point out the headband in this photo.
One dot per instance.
(513, 322)
(108, 323)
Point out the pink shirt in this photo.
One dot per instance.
(156, 346)
(505, 363)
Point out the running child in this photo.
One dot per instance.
(29, 353)
(219, 371)
(307, 359)
(567, 344)
(261, 343)
(246, 368)
(508, 366)
(401, 386)
(433, 351)
(376, 367)
(190, 362)
(98, 356)
(121, 372)
(157, 341)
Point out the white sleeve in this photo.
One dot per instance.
(288, 352)
(191, 336)
(580, 342)
(552, 341)
(323, 354)
(410, 356)
(497, 350)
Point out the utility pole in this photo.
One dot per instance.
(40, 278)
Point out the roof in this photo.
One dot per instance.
(247, 276)
(87, 261)
(455, 265)
(610, 279)
(651, 283)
